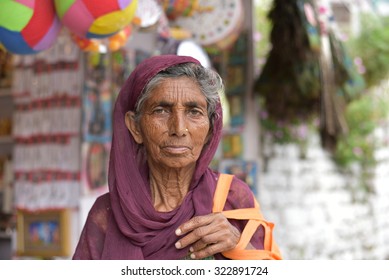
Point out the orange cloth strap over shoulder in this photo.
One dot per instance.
(255, 219)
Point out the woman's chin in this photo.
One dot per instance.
(178, 162)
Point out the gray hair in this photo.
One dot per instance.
(209, 81)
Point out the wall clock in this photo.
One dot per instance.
(219, 23)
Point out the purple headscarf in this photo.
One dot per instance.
(124, 224)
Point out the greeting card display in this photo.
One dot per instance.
(46, 128)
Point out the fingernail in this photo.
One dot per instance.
(191, 249)
(178, 245)
(192, 256)
(178, 231)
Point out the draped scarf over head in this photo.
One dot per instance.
(135, 229)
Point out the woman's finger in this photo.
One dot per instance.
(194, 223)
(211, 229)
(199, 227)
(195, 235)
(211, 250)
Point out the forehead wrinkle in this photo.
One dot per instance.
(175, 90)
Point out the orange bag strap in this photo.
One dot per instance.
(255, 218)
(221, 192)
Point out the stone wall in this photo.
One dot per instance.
(319, 212)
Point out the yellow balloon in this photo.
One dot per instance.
(115, 21)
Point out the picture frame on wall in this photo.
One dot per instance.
(237, 110)
(246, 170)
(232, 145)
(95, 161)
(43, 234)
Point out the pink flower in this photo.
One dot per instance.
(257, 36)
(357, 151)
(302, 131)
(358, 61)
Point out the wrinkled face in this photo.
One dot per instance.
(174, 124)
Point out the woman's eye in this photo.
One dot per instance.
(195, 112)
(159, 111)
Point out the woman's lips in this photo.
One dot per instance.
(176, 149)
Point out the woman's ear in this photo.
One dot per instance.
(133, 127)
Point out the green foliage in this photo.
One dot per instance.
(289, 80)
(284, 133)
(363, 117)
(262, 30)
(372, 46)
(364, 114)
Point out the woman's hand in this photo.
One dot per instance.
(207, 235)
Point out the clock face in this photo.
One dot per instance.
(218, 20)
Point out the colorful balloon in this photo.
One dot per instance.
(28, 26)
(95, 18)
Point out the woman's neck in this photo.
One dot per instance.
(168, 188)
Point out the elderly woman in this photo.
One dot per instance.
(167, 127)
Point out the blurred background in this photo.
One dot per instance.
(305, 113)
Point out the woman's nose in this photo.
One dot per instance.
(177, 124)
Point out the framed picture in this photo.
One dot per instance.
(246, 170)
(44, 234)
(232, 145)
(95, 161)
(237, 111)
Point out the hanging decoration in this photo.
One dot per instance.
(97, 122)
(118, 40)
(308, 74)
(87, 45)
(351, 83)
(28, 27)
(341, 83)
(46, 159)
(95, 18)
(290, 80)
(183, 8)
(112, 43)
(212, 23)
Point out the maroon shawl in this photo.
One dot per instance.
(123, 224)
